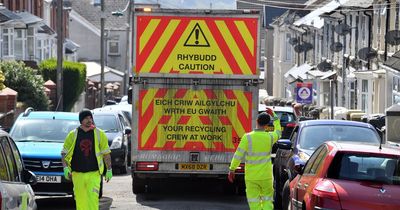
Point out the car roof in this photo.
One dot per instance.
(105, 112)
(282, 108)
(123, 107)
(50, 115)
(356, 147)
(334, 122)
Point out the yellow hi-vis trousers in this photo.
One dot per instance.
(86, 190)
(260, 194)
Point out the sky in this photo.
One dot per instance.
(193, 4)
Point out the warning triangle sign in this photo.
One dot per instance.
(196, 38)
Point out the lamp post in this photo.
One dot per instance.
(60, 42)
(128, 8)
(102, 21)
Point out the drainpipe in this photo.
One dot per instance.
(387, 25)
(369, 33)
(344, 66)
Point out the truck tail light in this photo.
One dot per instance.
(147, 166)
(240, 168)
(326, 195)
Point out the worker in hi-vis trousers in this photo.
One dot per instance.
(255, 151)
(83, 156)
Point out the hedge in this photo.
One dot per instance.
(74, 75)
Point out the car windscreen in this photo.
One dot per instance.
(313, 136)
(363, 167)
(286, 117)
(42, 129)
(108, 123)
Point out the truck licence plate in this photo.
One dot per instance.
(48, 179)
(194, 166)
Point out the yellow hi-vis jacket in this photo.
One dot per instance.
(101, 147)
(255, 149)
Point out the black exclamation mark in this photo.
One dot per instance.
(197, 36)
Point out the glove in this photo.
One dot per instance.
(270, 112)
(231, 176)
(67, 173)
(109, 175)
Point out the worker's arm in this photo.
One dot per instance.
(277, 133)
(240, 153)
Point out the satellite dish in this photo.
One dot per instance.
(299, 48)
(303, 47)
(342, 29)
(367, 53)
(393, 37)
(336, 47)
(293, 41)
(307, 46)
(324, 66)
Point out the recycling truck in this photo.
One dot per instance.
(194, 92)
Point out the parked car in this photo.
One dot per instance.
(305, 138)
(15, 181)
(348, 175)
(116, 128)
(40, 136)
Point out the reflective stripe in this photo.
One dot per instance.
(241, 150)
(272, 139)
(266, 198)
(238, 157)
(253, 200)
(258, 154)
(250, 143)
(258, 161)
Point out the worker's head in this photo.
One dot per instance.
(86, 117)
(263, 119)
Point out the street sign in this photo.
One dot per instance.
(304, 93)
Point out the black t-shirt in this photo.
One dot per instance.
(84, 157)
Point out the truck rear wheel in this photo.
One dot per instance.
(138, 185)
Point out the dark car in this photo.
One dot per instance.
(114, 125)
(15, 181)
(305, 138)
(348, 175)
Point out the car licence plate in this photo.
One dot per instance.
(194, 166)
(48, 179)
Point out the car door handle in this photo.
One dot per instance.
(305, 185)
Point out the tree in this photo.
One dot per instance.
(2, 78)
(26, 82)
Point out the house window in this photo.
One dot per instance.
(31, 43)
(113, 47)
(19, 43)
(288, 47)
(39, 50)
(364, 95)
(352, 94)
(8, 42)
(96, 2)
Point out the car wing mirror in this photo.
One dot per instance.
(128, 131)
(29, 177)
(285, 144)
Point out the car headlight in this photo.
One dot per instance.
(116, 143)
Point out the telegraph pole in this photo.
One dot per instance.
(102, 20)
(127, 56)
(60, 48)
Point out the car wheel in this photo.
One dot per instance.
(138, 185)
(286, 196)
(277, 195)
(124, 168)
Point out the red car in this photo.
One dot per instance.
(348, 175)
